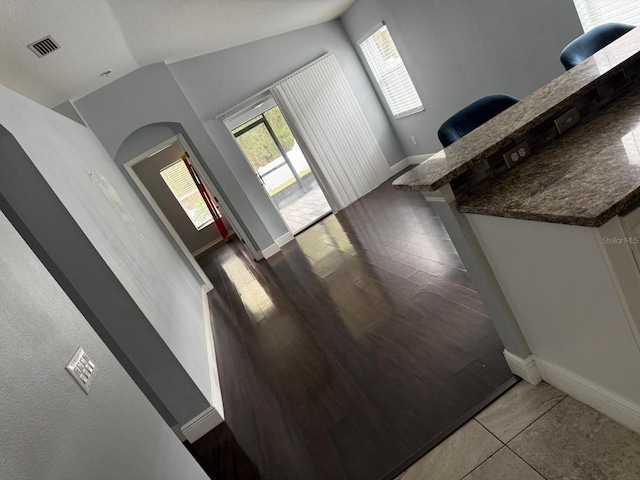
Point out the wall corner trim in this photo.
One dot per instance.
(271, 250)
(284, 239)
(177, 430)
(210, 244)
(202, 424)
(526, 368)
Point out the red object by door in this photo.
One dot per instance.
(215, 213)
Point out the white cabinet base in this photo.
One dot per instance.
(575, 299)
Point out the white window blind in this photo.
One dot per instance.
(181, 184)
(390, 73)
(596, 12)
(327, 118)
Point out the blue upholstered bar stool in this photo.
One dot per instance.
(472, 116)
(590, 42)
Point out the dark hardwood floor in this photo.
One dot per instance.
(351, 353)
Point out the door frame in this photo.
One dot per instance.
(265, 121)
(245, 115)
(128, 166)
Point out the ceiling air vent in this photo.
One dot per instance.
(44, 46)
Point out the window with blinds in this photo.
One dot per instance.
(181, 184)
(390, 73)
(596, 12)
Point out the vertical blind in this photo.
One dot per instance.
(596, 12)
(389, 71)
(325, 114)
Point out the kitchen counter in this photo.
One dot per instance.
(588, 176)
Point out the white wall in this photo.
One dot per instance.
(560, 289)
(215, 82)
(50, 428)
(128, 240)
(457, 51)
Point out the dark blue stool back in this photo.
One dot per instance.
(590, 42)
(472, 116)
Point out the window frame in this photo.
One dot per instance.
(179, 200)
(374, 73)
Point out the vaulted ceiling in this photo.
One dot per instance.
(123, 35)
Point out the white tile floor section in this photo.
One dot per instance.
(534, 433)
(305, 210)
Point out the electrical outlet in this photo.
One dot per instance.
(517, 154)
(567, 120)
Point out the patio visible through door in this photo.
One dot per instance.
(270, 147)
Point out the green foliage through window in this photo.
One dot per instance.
(258, 145)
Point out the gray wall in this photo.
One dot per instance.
(68, 110)
(119, 112)
(107, 253)
(143, 140)
(192, 92)
(50, 428)
(215, 82)
(148, 171)
(457, 51)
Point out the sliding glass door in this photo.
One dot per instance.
(274, 154)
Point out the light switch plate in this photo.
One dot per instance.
(82, 369)
(567, 120)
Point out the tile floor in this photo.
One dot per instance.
(534, 433)
(305, 210)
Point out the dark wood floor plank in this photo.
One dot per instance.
(463, 295)
(429, 252)
(349, 353)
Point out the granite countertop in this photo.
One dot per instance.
(588, 176)
(545, 103)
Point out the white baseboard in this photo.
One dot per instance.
(270, 251)
(284, 239)
(398, 167)
(525, 368)
(611, 404)
(533, 369)
(209, 245)
(418, 159)
(202, 424)
(408, 161)
(178, 431)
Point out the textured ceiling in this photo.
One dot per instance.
(122, 35)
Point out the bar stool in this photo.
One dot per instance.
(472, 116)
(590, 42)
